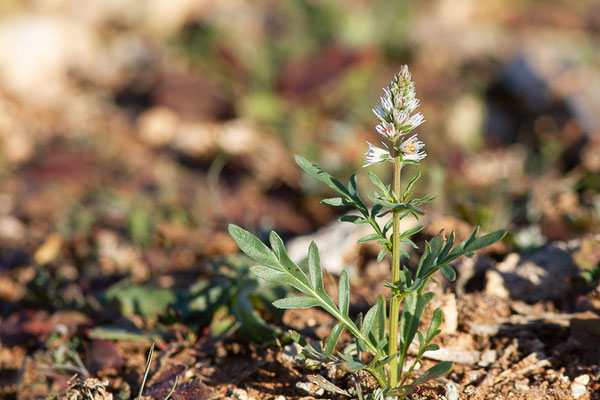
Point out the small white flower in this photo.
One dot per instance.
(411, 105)
(400, 117)
(380, 112)
(410, 149)
(414, 121)
(376, 155)
(387, 130)
(387, 103)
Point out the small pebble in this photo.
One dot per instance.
(582, 379)
(577, 390)
(240, 394)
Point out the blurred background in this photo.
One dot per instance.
(132, 132)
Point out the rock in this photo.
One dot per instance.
(127, 64)
(166, 17)
(158, 126)
(488, 357)
(337, 244)
(451, 391)
(49, 250)
(450, 310)
(240, 394)
(577, 390)
(542, 276)
(459, 356)
(582, 379)
(37, 54)
(11, 228)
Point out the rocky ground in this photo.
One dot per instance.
(132, 134)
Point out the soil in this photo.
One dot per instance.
(128, 144)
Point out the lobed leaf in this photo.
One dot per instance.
(252, 246)
(272, 275)
(286, 263)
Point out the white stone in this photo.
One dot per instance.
(37, 54)
(582, 379)
(577, 390)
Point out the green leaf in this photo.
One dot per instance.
(382, 254)
(335, 202)
(431, 347)
(354, 365)
(434, 325)
(447, 246)
(377, 182)
(355, 219)
(344, 293)
(404, 390)
(144, 300)
(297, 302)
(388, 225)
(414, 306)
(332, 339)
(317, 173)
(411, 183)
(252, 246)
(314, 268)
(485, 240)
(352, 185)
(370, 320)
(434, 372)
(448, 272)
(412, 231)
(252, 325)
(325, 384)
(368, 238)
(375, 210)
(272, 275)
(421, 338)
(284, 259)
(380, 324)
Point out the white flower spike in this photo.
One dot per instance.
(376, 155)
(395, 113)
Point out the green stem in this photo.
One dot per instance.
(395, 302)
(410, 370)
